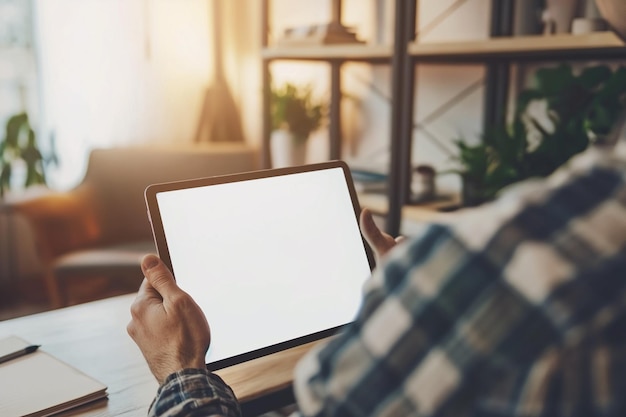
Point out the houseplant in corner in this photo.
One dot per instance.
(578, 109)
(295, 115)
(19, 146)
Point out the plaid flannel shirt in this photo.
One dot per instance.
(516, 308)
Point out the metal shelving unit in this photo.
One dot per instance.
(334, 55)
(498, 54)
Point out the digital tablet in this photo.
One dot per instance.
(274, 258)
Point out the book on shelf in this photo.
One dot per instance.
(38, 384)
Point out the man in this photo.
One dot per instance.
(515, 308)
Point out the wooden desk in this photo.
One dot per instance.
(92, 337)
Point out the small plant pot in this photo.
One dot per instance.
(286, 150)
(472, 193)
(559, 15)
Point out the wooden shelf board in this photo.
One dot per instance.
(378, 204)
(511, 46)
(343, 52)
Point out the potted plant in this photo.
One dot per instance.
(295, 115)
(495, 162)
(579, 109)
(19, 146)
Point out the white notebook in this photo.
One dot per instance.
(38, 384)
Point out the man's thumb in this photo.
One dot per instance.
(370, 231)
(158, 275)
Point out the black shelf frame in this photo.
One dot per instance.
(498, 66)
(403, 107)
(498, 74)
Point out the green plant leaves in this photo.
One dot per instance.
(293, 108)
(554, 81)
(5, 178)
(20, 144)
(593, 77)
(579, 107)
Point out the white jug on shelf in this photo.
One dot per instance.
(559, 15)
(287, 150)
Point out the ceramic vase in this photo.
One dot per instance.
(286, 150)
(527, 17)
(472, 193)
(559, 15)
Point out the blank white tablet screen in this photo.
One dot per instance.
(268, 260)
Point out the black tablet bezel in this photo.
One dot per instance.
(154, 217)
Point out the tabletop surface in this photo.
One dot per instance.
(92, 337)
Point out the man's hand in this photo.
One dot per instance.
(380, 242)
(167, 324)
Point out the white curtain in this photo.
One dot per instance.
(120, 72)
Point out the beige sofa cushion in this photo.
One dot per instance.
(118, 177)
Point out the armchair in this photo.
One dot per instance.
(100, 228)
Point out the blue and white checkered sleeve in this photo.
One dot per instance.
(517, 310)
(370, 367)
(194, 392)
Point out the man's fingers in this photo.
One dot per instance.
(158, 276)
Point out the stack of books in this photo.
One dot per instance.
(366, 181)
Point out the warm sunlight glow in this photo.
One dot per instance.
(120, 72)
(180, 36)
